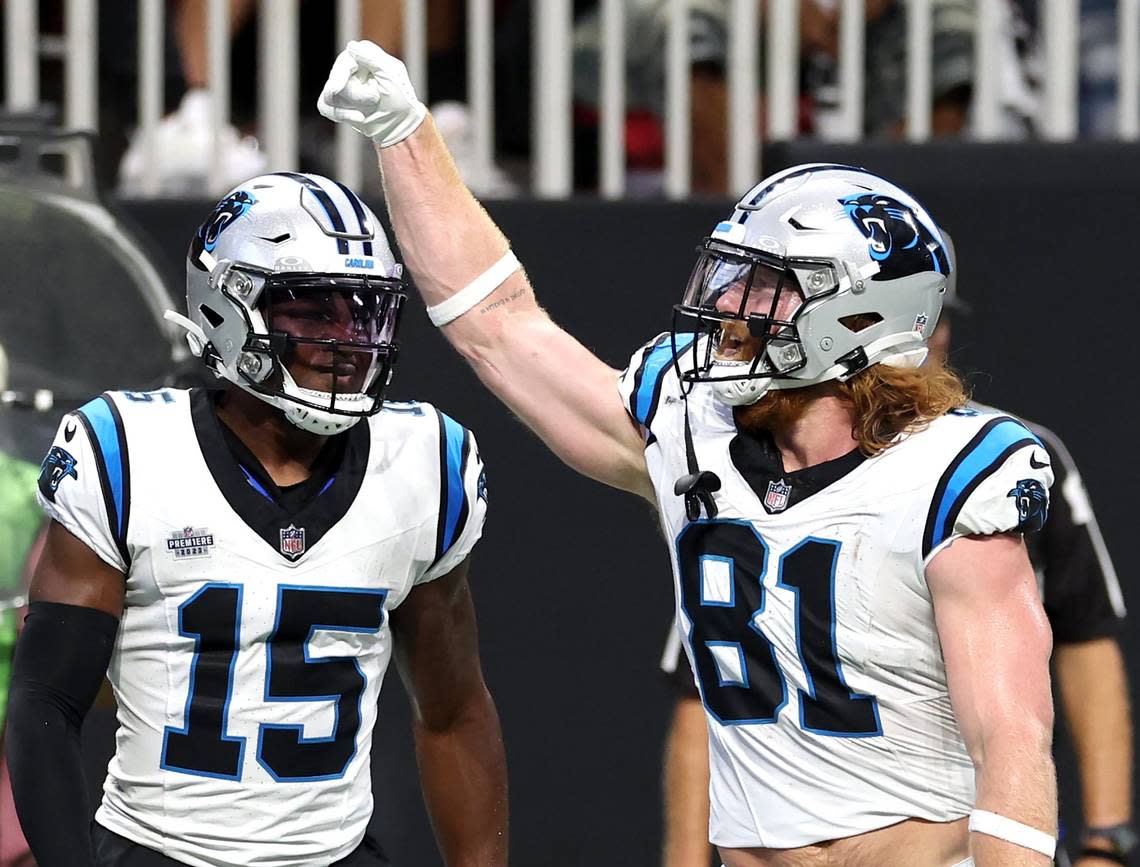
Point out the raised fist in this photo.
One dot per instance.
(369, 90)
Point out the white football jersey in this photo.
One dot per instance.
(805, 612)
(254, 639)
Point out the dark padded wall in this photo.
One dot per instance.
(572, 580)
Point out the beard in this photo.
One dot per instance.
(777, 410)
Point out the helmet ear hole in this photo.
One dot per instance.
(857, 322)
(211, 315)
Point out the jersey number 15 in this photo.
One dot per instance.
(212, 617)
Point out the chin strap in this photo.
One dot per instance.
(697, 486)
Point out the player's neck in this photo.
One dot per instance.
(284, 450)
(821, 433)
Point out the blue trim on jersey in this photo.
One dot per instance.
(257, 486)
(455, 436)
(108, 433)
(185, 730)
(972, 467)
(705, 600)
(299, 730)
(687, 634)
(735, 645)
(653, 370)
(810, 692)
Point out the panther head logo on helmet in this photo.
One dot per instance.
(899, 242)
(224, 213)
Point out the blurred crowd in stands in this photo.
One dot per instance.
(182, 147)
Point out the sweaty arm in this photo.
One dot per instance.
(459, 745)
(61, 659)
(557, 387)
(996, 644)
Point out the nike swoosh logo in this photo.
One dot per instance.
(68, 432)
(1033, 462)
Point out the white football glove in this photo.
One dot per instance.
(369, 89)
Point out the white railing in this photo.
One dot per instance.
(552, 166)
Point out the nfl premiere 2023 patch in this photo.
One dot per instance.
(293, 541)
(190, 543)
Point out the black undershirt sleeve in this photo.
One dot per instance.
(61, 659)
(1075, 583)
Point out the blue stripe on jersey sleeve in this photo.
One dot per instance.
(653, 371)
(109, 444)
(980, 459)
(455, 437)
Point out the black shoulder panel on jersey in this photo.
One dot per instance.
(108, 437)
(982, 456)
(454, 452)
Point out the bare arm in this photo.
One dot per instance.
(459, 746)
(686, 783)
(996, 644)
(1094, 693)
(560, 389)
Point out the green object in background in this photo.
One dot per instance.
(20, 520)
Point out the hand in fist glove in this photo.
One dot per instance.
(369, 90)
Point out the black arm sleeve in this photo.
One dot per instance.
(61, 659)
(1081, 592)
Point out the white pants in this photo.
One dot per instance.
(969, 862)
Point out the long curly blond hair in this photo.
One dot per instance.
(885, 402)
(888, 401)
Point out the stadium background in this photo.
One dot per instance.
(572, 581)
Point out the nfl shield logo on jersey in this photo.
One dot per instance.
(776, 500)
(293, 542)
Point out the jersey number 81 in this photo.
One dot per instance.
(722, 568)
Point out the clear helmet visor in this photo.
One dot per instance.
(747, 302)
(334, 336)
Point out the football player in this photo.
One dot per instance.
(1085, 607)
(846, 536)
(243, 564)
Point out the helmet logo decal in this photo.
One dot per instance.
(223, 215)
(897, 239)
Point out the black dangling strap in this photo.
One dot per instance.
(696, 486)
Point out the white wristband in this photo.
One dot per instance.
(474, 292)
(993, 825)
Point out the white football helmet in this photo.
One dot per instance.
(830, 267)
(290, 264)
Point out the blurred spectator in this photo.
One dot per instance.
(1100, 65)
(182, 140)
(182, 143)
(885, 73)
